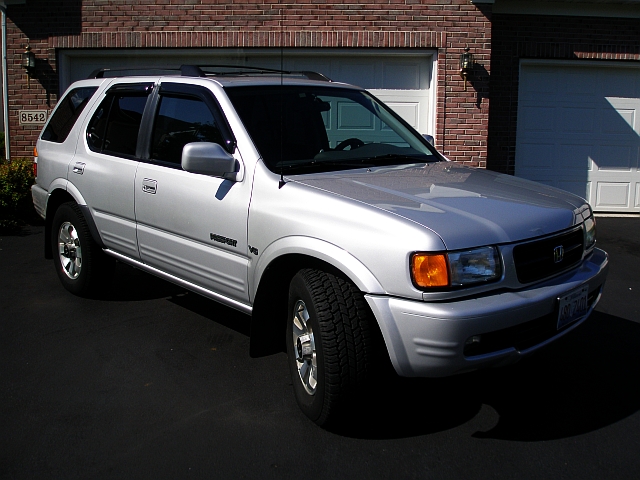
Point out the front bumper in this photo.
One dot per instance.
(427, 339)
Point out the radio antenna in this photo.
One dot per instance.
(282, 182)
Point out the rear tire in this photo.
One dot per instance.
(80, 263)
(329, 343)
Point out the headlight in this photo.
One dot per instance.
(475, 266)
(589, 233)
(456, 269)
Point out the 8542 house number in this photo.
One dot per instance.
(33, 117)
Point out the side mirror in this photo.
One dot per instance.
(429, 138)
(210, 159)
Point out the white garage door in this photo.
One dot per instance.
(579, 130)
(402, 79)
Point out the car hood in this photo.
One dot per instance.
(465, 206)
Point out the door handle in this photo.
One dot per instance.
(149, 186)
(79, 168)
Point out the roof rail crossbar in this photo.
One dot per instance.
(100, 72)
(221, 70)
(191, 71)
(314, 75)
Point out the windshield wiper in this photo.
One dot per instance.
(364, 162)
(378, 160)
(322, 164)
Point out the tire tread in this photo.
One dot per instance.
(345, 322)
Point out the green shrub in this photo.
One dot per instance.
(16, 178)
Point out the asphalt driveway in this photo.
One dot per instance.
(154, 382)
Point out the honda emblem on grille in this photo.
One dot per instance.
(558, 254)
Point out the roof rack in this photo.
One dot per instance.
(103, 72)
(212, 71)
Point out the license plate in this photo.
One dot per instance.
(573, 305)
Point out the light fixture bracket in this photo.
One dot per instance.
(466, 65)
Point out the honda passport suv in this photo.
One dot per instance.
(314, 208)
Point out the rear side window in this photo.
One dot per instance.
(182, 120)
(65, 116)
(115, 125)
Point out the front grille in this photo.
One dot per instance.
(539, 259)
(523, 336)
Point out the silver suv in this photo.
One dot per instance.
(317, 210)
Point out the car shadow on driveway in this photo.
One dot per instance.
(214, 311)
(581, 383)
(584, 382)
(127, 284)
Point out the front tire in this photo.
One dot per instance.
(77, 258)
(330, 344)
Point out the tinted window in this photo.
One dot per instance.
(182, 120)
(115, 125)
(300, 129)
(67, 113)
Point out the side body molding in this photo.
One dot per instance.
(360, 275)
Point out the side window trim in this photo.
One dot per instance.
(132, 89)
(143, 150)
(210, 100)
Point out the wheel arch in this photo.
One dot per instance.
(60, 194)
(273, 274)
(315, 250)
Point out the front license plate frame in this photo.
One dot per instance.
(572, 306)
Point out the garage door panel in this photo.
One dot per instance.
(357, 73)
(624, 84)
(538, 119)
(409, 105)
(578, 83)
(613, 195)
(577, 119)
(576, 187)
(535, 156)
(403, 76)
(616, 158)
(590, 115)
(618, 122)
(535, 84)
(352, 117)
(571, 155)
(314, 65)
(409, 111)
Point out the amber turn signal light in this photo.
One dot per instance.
(35, 162)
(430, 270)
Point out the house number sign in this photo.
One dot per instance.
(33, 117)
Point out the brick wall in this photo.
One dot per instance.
(446, 25)
(545, 37)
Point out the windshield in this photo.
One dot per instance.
(303, 129)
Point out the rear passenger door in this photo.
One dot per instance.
(189, 225)
(105, 164)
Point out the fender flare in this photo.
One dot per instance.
(312, 247)
(72, 190)
(75, 193)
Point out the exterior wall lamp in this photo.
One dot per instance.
(29, 62)
(466, 66)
